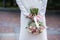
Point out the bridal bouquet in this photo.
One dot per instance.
(35, 26)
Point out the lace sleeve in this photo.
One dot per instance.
(21, 6)
(43, 8)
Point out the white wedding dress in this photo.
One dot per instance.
(25, 5)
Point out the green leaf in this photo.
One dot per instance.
(34, 11)
(40, 23)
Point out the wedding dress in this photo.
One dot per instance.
(25, 5)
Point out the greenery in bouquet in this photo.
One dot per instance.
(34, 11)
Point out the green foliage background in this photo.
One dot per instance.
(51, 5)
(8, 4)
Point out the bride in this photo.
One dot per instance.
(25, 32)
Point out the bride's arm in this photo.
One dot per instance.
(43, 8)
(21, 6)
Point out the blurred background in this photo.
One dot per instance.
(10, 20)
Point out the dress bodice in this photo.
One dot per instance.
(33, 3)
(25, 5)
(30, 3)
